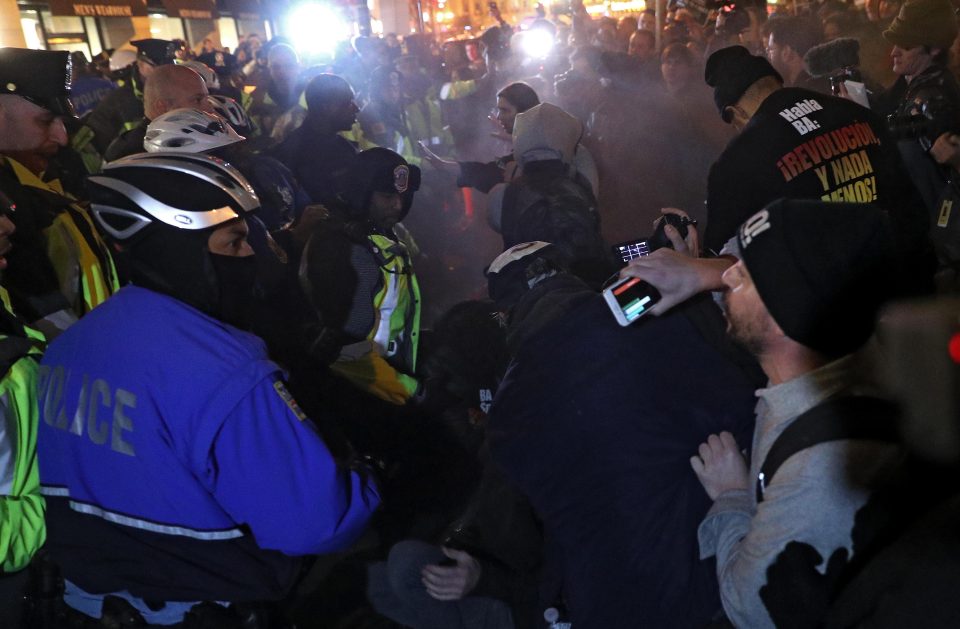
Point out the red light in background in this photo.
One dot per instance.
(954, 347)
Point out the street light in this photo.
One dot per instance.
(315, 28)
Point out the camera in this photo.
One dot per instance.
(680, 223)
(630, 249)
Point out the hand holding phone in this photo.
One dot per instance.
(630, 298)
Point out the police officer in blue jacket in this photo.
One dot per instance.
(179, 472)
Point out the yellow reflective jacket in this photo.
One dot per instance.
(78, 255)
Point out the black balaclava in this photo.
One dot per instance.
(176, 262)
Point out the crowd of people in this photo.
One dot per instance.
(331, 345)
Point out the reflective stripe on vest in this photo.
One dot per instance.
(397, 304)
(80, 258)
(24, 531)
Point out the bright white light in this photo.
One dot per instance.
(537, 43)
(316, 28)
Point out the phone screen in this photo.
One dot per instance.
(634, 298)
(629, 250)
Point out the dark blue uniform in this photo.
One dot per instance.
(176, 465)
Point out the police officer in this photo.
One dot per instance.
(359, 278)
(276, 106)
(122, 109)
(22, 529)
(317, 154)
(61, 268)
(180, 473)
(171, 87)
(383, 119)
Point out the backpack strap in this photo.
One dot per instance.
(847, 417)
(509, 213)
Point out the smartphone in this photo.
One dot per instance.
(630, 298)
(631, 249)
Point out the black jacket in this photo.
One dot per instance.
(596, 424)
(844, 154)
(117, 110)
(320, 161)
(130, 142)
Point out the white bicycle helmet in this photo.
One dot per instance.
(206, 72)
(188, 131)
(161, 208)
(231, 111)
(122, 58)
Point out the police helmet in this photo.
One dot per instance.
(161, 208)
(210, 78)
(379, 170)
(121, 59)
(231, 111)
(183, 191)
(520, 268)
(188, 131)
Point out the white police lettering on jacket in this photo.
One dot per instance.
(101, 413)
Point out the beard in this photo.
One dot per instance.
(748, 332)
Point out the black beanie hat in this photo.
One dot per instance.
(730, 71)
(823, 270)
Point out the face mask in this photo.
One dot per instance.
(236, 278)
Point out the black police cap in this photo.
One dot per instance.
(40, 76)
(159, 52)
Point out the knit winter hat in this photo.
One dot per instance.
(823, 270)
(731, 71)
(923, 22)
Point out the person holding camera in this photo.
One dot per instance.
(925, 90)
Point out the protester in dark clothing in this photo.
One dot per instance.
(798, 144)
(483, 574)
(383, 119)
(643, 47)
(692, 108)
(514, 99)
(222, 62)
(316, 153)
(789, 40)
(273, 104)
(591, 422)
(491, 585)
